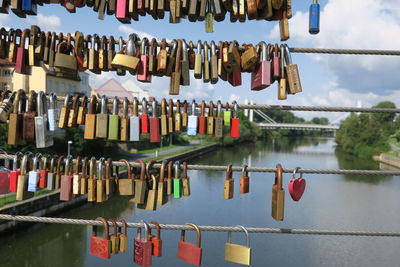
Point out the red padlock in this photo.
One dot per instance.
(21, 64)
(203, 119)
(122, 11)
(244, 181)
(5, 175)
(261, 76)
(142, 252)
(155, 133)
(71, 7)
(100, 246)
(66, 181)
(79, 44)
(144, 118)
(143, 74)
(235, 78)
(189, 252)
(235, 122)
(275, 62)
(156, 241)
(15, 172)
(43, 173)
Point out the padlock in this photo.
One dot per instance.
(64, 61)
(156, 240)
(177, 183)
(82, 110)
(126, 187)
(4, 173)
(283, 82)
(276, 62)
(162, 197)
(292, 72)
(202, 119)
(155, 134)
(51, 175)
(297, 186)
(144, 118)
(142, 251)
(64, 113)
(77, 176)
(192, 121)
(28, 128)
(313, 27)
(21, 61)
(33, 179)
(113, 121)
(153, 57)
(110, 52)
(73, 112)
(170, 188)
(210, 119)
(121, 12)
(244, 181)
(114, 238)
(134, 122)
(175, 81)
(6, 107)
(143, 74)
(284, 26)
(90, 119)
(52, 50)
(93, 58)
(44, 138)
(109, 177)
(57, 179)
(264, 9)
(102, 119)
(184, 115)
(162, 58)
(22, 184)
(238, 253)
(231, 58)
(178, 117)
(189, 252)
(91, 181)
(124, 126)
(46, 48)
(185, 181)
(221, 69)
(219, 122)
(16, 119)
(151, 198)
(141, 184)
(16, 7)
(249, 58)
(34, 40)
(123, 236)
(125, 59)
(84, 176)
(101, 182)
(15, 172)
(228, 183)
(278, 195)
(171, 119)
(100, 246)
(235, 78)
(213, 62)
(198, 62)
(261, 76)
(206, 63)
(164, 119)
(103, 66)
(52, 112)
(185, 78)
(235, 122)
(66, 180)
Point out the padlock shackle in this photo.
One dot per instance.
(170, 108)
(17, 157)
(245, 173)
(162, 170)
(144, 106)
(104, 103)
(85, 162)
(196, 228)
(128, 167)
(157, 225)
(114, 226)
(282, 49)
(142, 169)
(53, 100)
(219, 109)
(163, 106)
(205, 51)
(31, 101)
(109, 168)
(146, 231)
(24, 164)
(288, 57)
(131, 46)
(235, 109)
(68, 165)
(203, 107)
(124, 226)
(36, 160)
(52, 162)
(296, 170)
(59, 161)
(125, 105)
(153, 47)
(154, 108)
(115, 105)
(228, 172)
(185, 55)
(185, 170)
(148, 167)
(92, 104)
(198, 47)
(278, 176)
(178, 107)
(135, 110)
(106, 228)
(78, 163)
(193, 107)
(41, 104)
(211, 109)
(170, 165)
(92, 167)
(246, 233)
(100, 168)
(83, 101)
(143, 46)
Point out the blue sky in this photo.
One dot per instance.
(328, 80)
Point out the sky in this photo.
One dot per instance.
(327, 80)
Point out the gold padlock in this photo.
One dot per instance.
(238, 253)
(278, 195)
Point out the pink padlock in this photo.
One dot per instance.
(143, 74)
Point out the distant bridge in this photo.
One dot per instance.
(305, 127)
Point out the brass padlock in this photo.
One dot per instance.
(15, 119)
(228, 183)
(125, 120)
(57, 181)
(233, 57)
(64, 113)
(210, 119)
(22, 183)
(28, 128)
(90, 119)
(238, 253)
(110, 181)
(82, 110)
(76, 179)
(91, 189)
(73, 112)
(151, 200)
(162, 59)
(102, 119)
(126, 187)
(141, 184)
(84, 176)
(114, 238)
(126, 58)
(162, 197)
(282, 84)
(170, 190)
(292, 72)
(249, 58)
(185, 181)
(101, 182)
(278, 195)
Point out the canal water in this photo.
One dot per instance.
(330, 202)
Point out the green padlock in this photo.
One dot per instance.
(113, 121)
(227, 115)
(177, 181)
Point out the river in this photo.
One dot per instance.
(330, 202)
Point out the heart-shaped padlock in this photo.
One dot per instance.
(297, 185)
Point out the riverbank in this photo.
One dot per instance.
(50, 204)
(388, 160)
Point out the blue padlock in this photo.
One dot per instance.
(29, 7)
(314, 18)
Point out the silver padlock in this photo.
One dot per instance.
(134, 124)
(192, 121)
(53, 112)
(44, 138)
(33, 178)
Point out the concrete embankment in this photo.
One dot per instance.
(388, 160)
(50, 204)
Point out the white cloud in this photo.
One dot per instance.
(128, 30)
(4, 18)
(362, 24)
(46, 23)
(234, 97)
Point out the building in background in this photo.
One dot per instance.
(42, 79)
(127, 89)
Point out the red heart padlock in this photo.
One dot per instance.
(297, 186)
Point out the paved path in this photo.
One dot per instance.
(134, 156)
